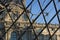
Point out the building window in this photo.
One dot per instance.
(1, 25)
(54, 37)
(2, 14)
(14, 15)
(27, 35)
(46, 37)
(14, 35)
(2, 30)
(25, 16)
(41, 37)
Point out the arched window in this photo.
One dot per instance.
(14, 35)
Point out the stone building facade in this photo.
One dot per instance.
(20, 26)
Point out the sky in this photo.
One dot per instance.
(50, 9)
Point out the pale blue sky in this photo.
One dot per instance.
(50, 9)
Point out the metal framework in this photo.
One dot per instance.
(32, 22)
